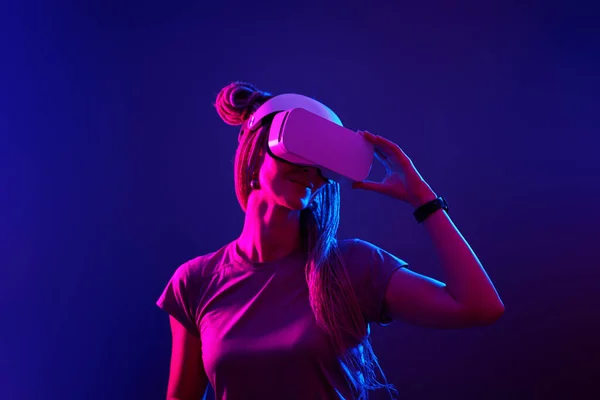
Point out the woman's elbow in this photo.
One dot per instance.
(489, 316)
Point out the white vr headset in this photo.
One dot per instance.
(307, 132)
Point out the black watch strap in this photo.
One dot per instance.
(429, 208)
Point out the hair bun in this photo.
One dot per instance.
(238, 100)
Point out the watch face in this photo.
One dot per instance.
(444, 204)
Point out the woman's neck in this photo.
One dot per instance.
(270, 232)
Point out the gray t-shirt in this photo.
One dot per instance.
(258, 332)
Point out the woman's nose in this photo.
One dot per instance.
(310, 170)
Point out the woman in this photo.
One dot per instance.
(283, 311)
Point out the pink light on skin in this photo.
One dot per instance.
(272, 221)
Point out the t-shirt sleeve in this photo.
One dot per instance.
(370, 269)
(179, 299)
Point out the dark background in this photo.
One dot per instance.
(116, 169)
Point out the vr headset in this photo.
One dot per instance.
(306, 132)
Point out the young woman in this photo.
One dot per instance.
(283, 311)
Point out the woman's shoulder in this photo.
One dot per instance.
(358, 255)
(359, 251)
(356, 246)
(205, 265)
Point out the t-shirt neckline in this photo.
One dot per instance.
(242, 260)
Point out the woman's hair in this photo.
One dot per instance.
(332, 298)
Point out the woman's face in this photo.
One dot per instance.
(289, 185)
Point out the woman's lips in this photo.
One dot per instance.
(308, 185)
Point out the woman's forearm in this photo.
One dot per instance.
(465, 277)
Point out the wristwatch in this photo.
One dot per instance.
(429, 208)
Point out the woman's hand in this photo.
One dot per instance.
(402, 180)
